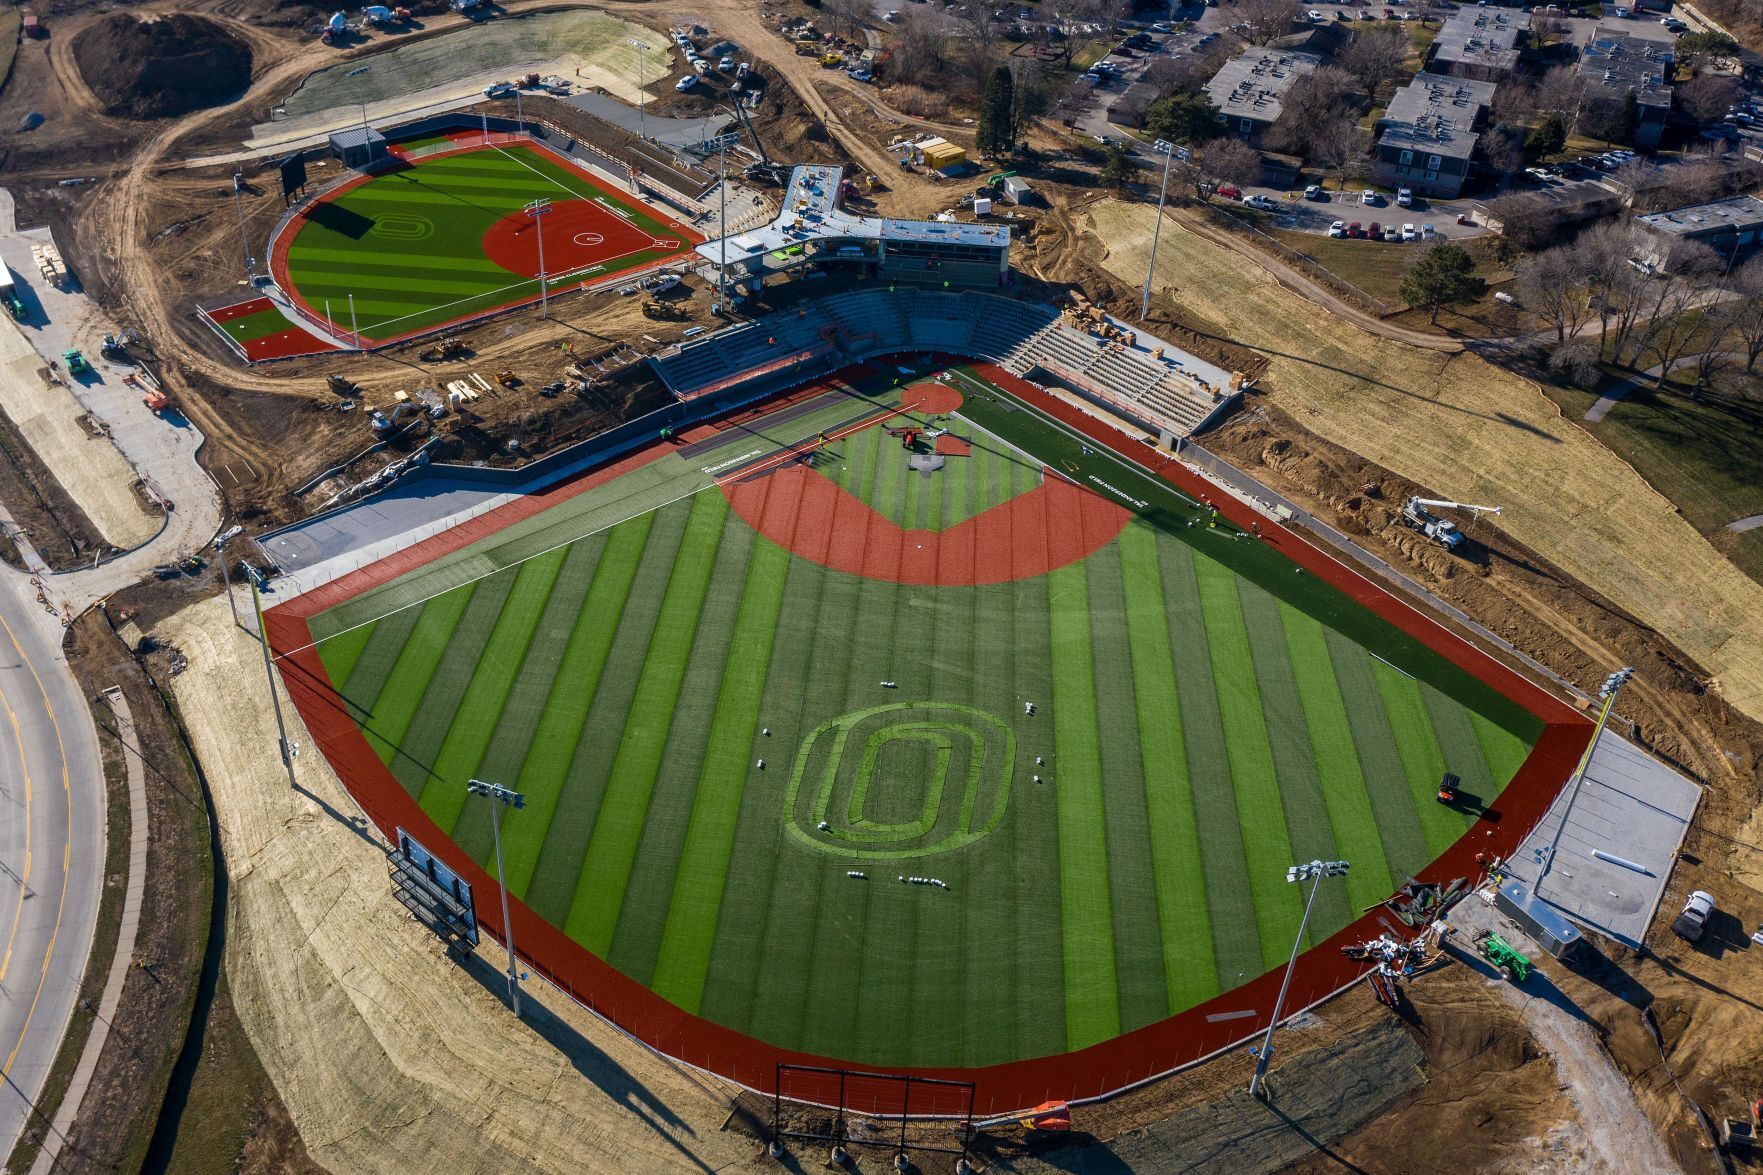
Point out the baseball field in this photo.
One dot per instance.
(445, 234)
(904, 727)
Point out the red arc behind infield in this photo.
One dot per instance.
(513, 242)
(1050, 526)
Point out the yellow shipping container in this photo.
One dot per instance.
(940, 153)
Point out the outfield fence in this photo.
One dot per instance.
(1218, 1025)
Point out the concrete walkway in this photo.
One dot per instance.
(1614, 396)
(125, 940)
(1744, 524)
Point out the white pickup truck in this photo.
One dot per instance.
(1694, 920)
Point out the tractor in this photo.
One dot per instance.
(76, 362)
(1513, 966)
(653, 308)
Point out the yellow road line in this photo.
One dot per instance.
(25, 873)
(67, 850)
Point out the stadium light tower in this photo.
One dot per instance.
(642, 95)
(1314, 872)
(1170, 152)
(1608, 691)
(512, 799)
(722, 143)
(537, 210)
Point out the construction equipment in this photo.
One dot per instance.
(447, 347)
(1448, 787)
(765, 169)
(507, 379)
(156, 400)
(831, 60)
(76, 362)
(1513, 966)
(653, 308)
(116, 347)
(807, 48)
(9, 294)
(1442, 531)
(340, 384)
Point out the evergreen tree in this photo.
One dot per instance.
(1442, 276)
(1120, 169)
(1630, 120)
(1184, 118)
(1548, 138)
(997, 114)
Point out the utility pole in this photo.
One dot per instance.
(1169, 151)
(1314, 872)
(642, 93)
(1608, 691)
(498, 794)
(287, 748)
(537, 210)
(244, 237)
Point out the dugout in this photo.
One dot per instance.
(358, 147)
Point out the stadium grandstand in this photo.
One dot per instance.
(813, 230)
(1151, 385)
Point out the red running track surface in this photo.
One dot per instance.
(1218, 1024)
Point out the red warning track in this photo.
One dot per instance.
(1220, 1023)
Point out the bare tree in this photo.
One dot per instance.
(1709, 97)
(1561, 91)
(1336, 145)
(1503, 148)
(844, 18)
(979, 40)
(1231, 161)
(1552, 285)
(1376, 57)
(1525, 218)
(920, 46)
(1515, 102)
(1666, 326)
(1315, 99)
(1745, 286)
(1269, 19)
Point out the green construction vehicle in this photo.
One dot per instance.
(1496, 950)
(76, 362)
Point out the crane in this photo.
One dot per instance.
(1443, 531)
(765, 169)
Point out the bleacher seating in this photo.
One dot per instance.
(1020, 336)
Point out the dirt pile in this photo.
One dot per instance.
(162, 67)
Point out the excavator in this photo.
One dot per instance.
(1443, 531)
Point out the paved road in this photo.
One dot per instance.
(51, 848)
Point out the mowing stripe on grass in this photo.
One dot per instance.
(642, 920)
(1463, 755)
(1294, 762)
(558, 871)
(573, 688)
(1132, 875)
(1230, 907)
(1398, 822)
(526, 705)
(684, 960)
(339, 655)
(1503, 751)
(1422, 760)
(409, 678)
(1337, 759)
(613, 846)
(1092, 1000)
(492, 681)
(373, 668)
(1190, 971)
(1266, 846)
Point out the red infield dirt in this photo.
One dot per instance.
(578, 233)
(810, 523)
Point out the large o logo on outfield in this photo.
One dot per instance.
(903, 780)
(402, 226)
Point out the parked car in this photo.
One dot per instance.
(860, 75)
(1427, 232)
(1338, 229)
(726, 64)
(1315, 16)
(1374, 231)
(1315, 192)
(1391, 233)
(1693, 922)
(1404, 196)
(686, 83)
(498, 90)
(1408, 233)
(1355, 230)
(1261, 202)
(1465, 218)
(1230, 192)
(1370, 198)
(892, 16)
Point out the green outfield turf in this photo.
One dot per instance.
(409, 244)
(1204, 716)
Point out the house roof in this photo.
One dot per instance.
(1484, 37)
(1617, 62)
(1736, 214)
(1436, 114)
(1254, 83)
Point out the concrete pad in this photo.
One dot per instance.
(1630, 807)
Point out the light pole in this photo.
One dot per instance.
(287, 748)
(511, 799)
(537, 210)
(1314, 872)
(1169, 151)
(642, 94)
(722, 143)
(355, 73)
(1608, 691)
(244, 237)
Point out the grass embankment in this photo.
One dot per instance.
(1473, 432)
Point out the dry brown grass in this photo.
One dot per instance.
(1473, 432)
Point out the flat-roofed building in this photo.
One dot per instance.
(1250, 90)
(1478, 43)
(1427, 136)
(1727, 226)
(1615, 64)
